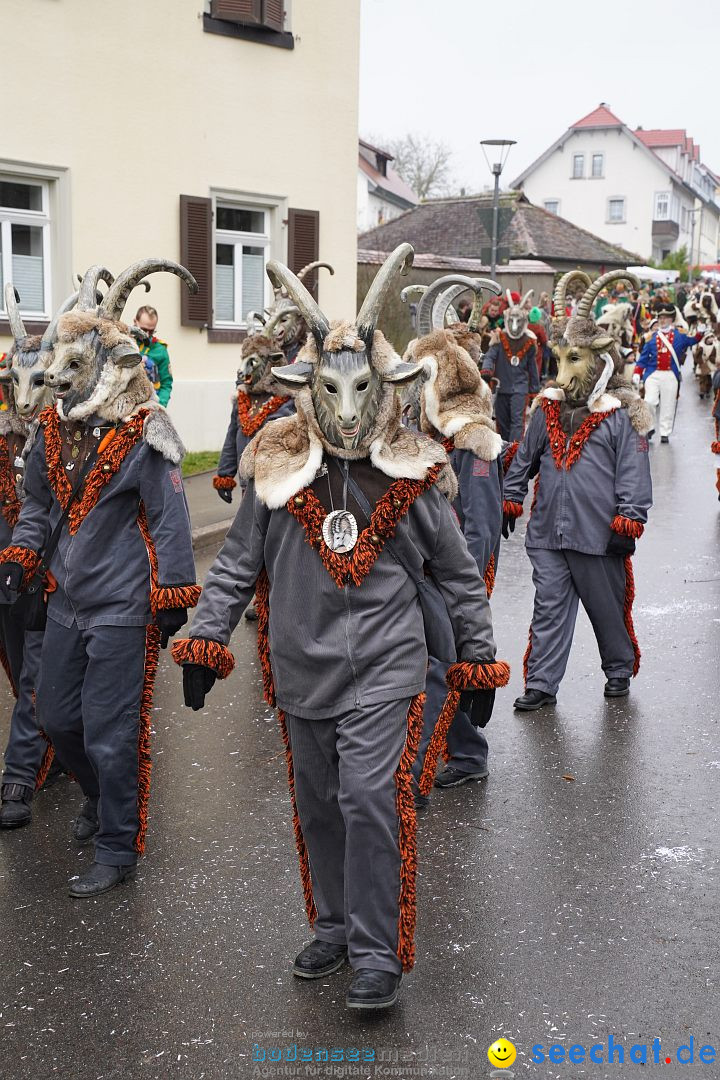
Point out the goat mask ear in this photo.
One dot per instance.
(293, 375)
(124, 355)
(403, 373)
(5, 375)
(600, 344)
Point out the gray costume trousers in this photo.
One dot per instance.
(562, 579)
(88, 702)
(510, 415)
(467, 745)
(346, 800)
(26, 747)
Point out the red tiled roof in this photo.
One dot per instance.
(663, 137)
(600, 117)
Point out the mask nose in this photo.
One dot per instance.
(49, 378)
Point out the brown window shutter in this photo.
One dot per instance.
(304, 243)
(196, 255)
(241, 11)
(274, 14)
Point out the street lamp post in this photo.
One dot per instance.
(496, 168)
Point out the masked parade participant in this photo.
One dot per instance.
(454, 405)
(587, 445)
(658, 367)
(258, 398)
(512, 362)
(715, 445)
(28, 756)
(105, 516)
(343, 509)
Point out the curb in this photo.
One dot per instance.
(210, 535)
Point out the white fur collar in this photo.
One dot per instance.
(605, 403)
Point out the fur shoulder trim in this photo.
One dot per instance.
(283, 458)
(407, 454)
(605, 403)
(447, 483)
(639, 414)
(159, 433)
(481, 439)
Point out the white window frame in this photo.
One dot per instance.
(10, 216)
(620, 220)
(578, 175)
(597, 175)
(666, 197)
(547, 203)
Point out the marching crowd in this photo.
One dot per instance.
(375, 493)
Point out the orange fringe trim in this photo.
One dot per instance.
(470, 676)
(627, 527)
(509, 455)
(28, 559)
(206, 652)
(627, 608)
(46, 762)
(262, 607)
(715, 446)
(250, 422)
(526, 657)
(566, 452)
(102, 472)
(9, 503)
(152, 654)
(353, 567)
(448, 445)
(6, 667)
(165, 597)
(512, 509)
(717, 482)
(407, 833)
(224, 483)
(507, 348)
(438, 743)
(302, 851)
(490, 576)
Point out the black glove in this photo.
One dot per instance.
(478, 704)
(620, 545)
(170, 620)
(11, 575)
(225, 494)
(198, 681)
(508, 525)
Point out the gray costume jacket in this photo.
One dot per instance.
(574, 507)
(103, 570)
(520, 379)
(338, 648)
(236, 440)
(479, 504)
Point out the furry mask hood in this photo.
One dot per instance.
(454, 399)
(257, 355)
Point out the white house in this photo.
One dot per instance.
(382, 194)
(646, 191)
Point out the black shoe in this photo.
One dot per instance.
(664, 438)
(99, 879)
(650, 433)
(372, 989)
(15, 810)
(251, 613)
(421, 801)
(534, 699)
(319, 958)
(617, 688)
(451, 777)
(86, 824)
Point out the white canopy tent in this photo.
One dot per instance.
(651, 273)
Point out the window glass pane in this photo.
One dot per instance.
(253, 280)
(237, 219)
(20, 196)
(552, 206)
(224, 282)
(27, 266)
(597, 164)
(617, 207)
(578, 163)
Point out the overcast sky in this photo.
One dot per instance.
(465, 70)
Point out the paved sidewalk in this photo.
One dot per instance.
(210, 516)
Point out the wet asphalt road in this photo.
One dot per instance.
(550, 909)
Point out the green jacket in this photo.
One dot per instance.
(159, 359)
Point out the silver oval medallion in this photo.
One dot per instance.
(340, 531)
(514, 361)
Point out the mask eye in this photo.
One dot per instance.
(362, 387)
(330, 388)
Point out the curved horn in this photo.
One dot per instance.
(398, 261)
(526, 297)
(588, 297)
(443, 310)
(477, 285)
(562, 287)
(269, 327)
(12, 310)
(87, 296)
(283, 278)
(314, 266)
(116, 296)
(508, 297)
(440, 285)
(48, 338)
(255, 316)
(412, 292)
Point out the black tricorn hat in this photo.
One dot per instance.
(665, 308)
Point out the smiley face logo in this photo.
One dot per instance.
(502, 1053)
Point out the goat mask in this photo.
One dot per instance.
(516, 315)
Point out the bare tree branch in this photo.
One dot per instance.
(423, 163)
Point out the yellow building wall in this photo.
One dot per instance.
(140, 105)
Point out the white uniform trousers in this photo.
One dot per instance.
(661, 388)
